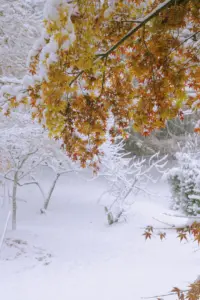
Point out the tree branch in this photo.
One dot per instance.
(10, 80)
(165, 223)
(145, 20)
(165, 295)
(180, 216)
(28, 183)
(26, 158)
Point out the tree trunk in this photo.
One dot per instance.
(14, 202)
(46, 203)
(4, 230)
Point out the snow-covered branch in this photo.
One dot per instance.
(10, 80)
(20, 24)
(125, 176)
(24, 148)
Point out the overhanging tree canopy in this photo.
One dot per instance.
(131, 60)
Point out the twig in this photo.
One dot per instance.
(172, 226)
(165, 295)
(127, 21)
(180, 216)
(188, 38)
(163, 228)
(10, 80)
(76, 77)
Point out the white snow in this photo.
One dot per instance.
(71, 252)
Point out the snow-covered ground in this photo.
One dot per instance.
(71, 253)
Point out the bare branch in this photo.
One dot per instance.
(127, 21)
(28, 183)
(165, 295)
(165, 223)
(26, 158)
(181, 216)
(10, 80)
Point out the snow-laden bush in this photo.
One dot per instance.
(126, 177)
(184, 180)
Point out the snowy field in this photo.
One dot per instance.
(71, 253)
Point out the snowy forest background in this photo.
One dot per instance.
(67, 233)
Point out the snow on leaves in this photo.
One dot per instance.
(76, 78)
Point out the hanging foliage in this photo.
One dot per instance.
(131, 59)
